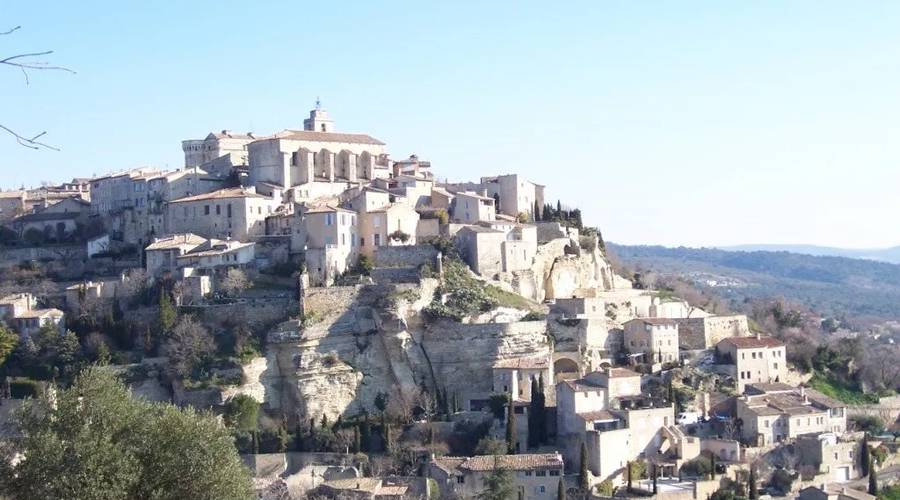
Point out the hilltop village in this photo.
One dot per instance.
(394, 336)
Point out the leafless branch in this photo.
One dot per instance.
(31, 142)
(10, 30)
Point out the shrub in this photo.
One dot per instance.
(400, 236)
(241, 413)
(605, 488)
(781, 480)
(25, 388)
(867, 423)
(698, 467)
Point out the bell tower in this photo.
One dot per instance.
(318, 120)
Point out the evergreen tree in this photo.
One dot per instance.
(600, 243)
(561, 489)
(584, 476)
(357, 439)
(628, 474)
(167, 313)
(510, 428)
(324, 421)
(386, 437)
(873, 480)
(536, 216)
(559, 209)
(865, 459)
(498, 485)
(533, 423)
(365, 433)
(753, 494)
(256, 442)
(653, 472)
(712, 466)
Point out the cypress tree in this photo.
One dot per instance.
(873, 480)
(510, 428)
(558, 209)
(628, 473)
(533, 423)
(712, 466)
(560, 487)
(324, 421)
(357, 439)
(365, 432)
(255, 443)
(386, 436)
(584, 473)
(865, 460)
(653, 472)
(754, 494)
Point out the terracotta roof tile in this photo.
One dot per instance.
(753, 342)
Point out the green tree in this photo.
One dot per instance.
(490, 446)
(8, 342)
(357, 439)
(510, 428)
(167, 312)
(386, 437)
(561, 485)
(653, 475)
(498, 485)
(241, 413)
(753, 493)
(533, 419)
(865, 461)
(873, 480)
(584, 476)
(97, 442)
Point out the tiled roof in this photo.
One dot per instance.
(597, 415)
(47, 216)
(220, 195)
(622, 372)
(536, 461)
(40, 313)
(753, 342)
(522, 363)
(12, 194)
(185, 240)
(655, 321)
(309, 135)
(823, 400)
(326, 209)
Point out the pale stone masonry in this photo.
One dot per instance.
(756, 359)
(656, 338)
(535, 476)
(773, 413)
(515, 376)
(228, 213)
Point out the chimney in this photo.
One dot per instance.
(757, 336)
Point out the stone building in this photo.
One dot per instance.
(328, 237)
(514, 377)
(188, 250)
(826, 453)
(534, 476)
(655, 338)
(115, 192)
(515, 195)
(162, 255)
(31, 322)
(234, 213)
(773, 413)
(606, 411)
(15, 304)
(833, 492)
(216, 146)
(12, 204)
(707, 331)
(471, 208)
(391, 225)
(755, 359)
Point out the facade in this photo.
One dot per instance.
(606, 411)
(392, 225)
(773, 413)
(115, 192)
(471, 208)
(515, 195)
(162, 255)
(833, 492)
(827, 454)
(328, 239)
(15, 305)
(217, 145)
(233, 213)
(187, 250)
(535, 476)
(514, 377)
(31, 322)
(12, 204)
(656, 338)
(755, 359)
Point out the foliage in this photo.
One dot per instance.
(781, 480)
(442, 216)
(639, 469)
(879, 454)
(873, 481)
(698, 467)
(400, 236)
(605, 488)
(510, 428)
(167, 312)
(491, 446)
(25, 388)
(364, 266)
(8, 342)
(867, 423)
(189, 347)
(234, 282)
(241, 413)
(465, 294)
(522, 218)
(584, 474)
(97, 442)
(497, 403)
(498, 485)
(833, 387)
(889, 493)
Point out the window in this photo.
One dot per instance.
(528, 473)
(328, 219)
(362, 241)
(205, 209)
(229, 210)
(540, 473)
(343, 239)
(218, 209)
(542, 489)
(554, 473)
(460, 479)
(376, 240)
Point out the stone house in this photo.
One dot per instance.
(514, 376)
(825, 453)
(16, 304)
(707, 331)
(606, 411)
(655, 338)
(515, 195)
(232, 213)
(216, 254)
(534, 476)
(115, 192)
(755, 359)
(12, 204)
(481, 248)
(773, 413)
(387, 226)
(367, 488)
(328, 236)
(471, 208)
(32, 321)
(833, 492)
(162, 255)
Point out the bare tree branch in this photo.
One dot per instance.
(32, 142)
(25, 62)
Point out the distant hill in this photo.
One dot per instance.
(831, 285)
(891, 254)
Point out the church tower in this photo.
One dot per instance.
(318, 120)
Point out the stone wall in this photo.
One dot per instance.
(257, 313)
(704, 333)
(548, 231)
(326, 300)
(14, 256)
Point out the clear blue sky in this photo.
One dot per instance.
(694, 123)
